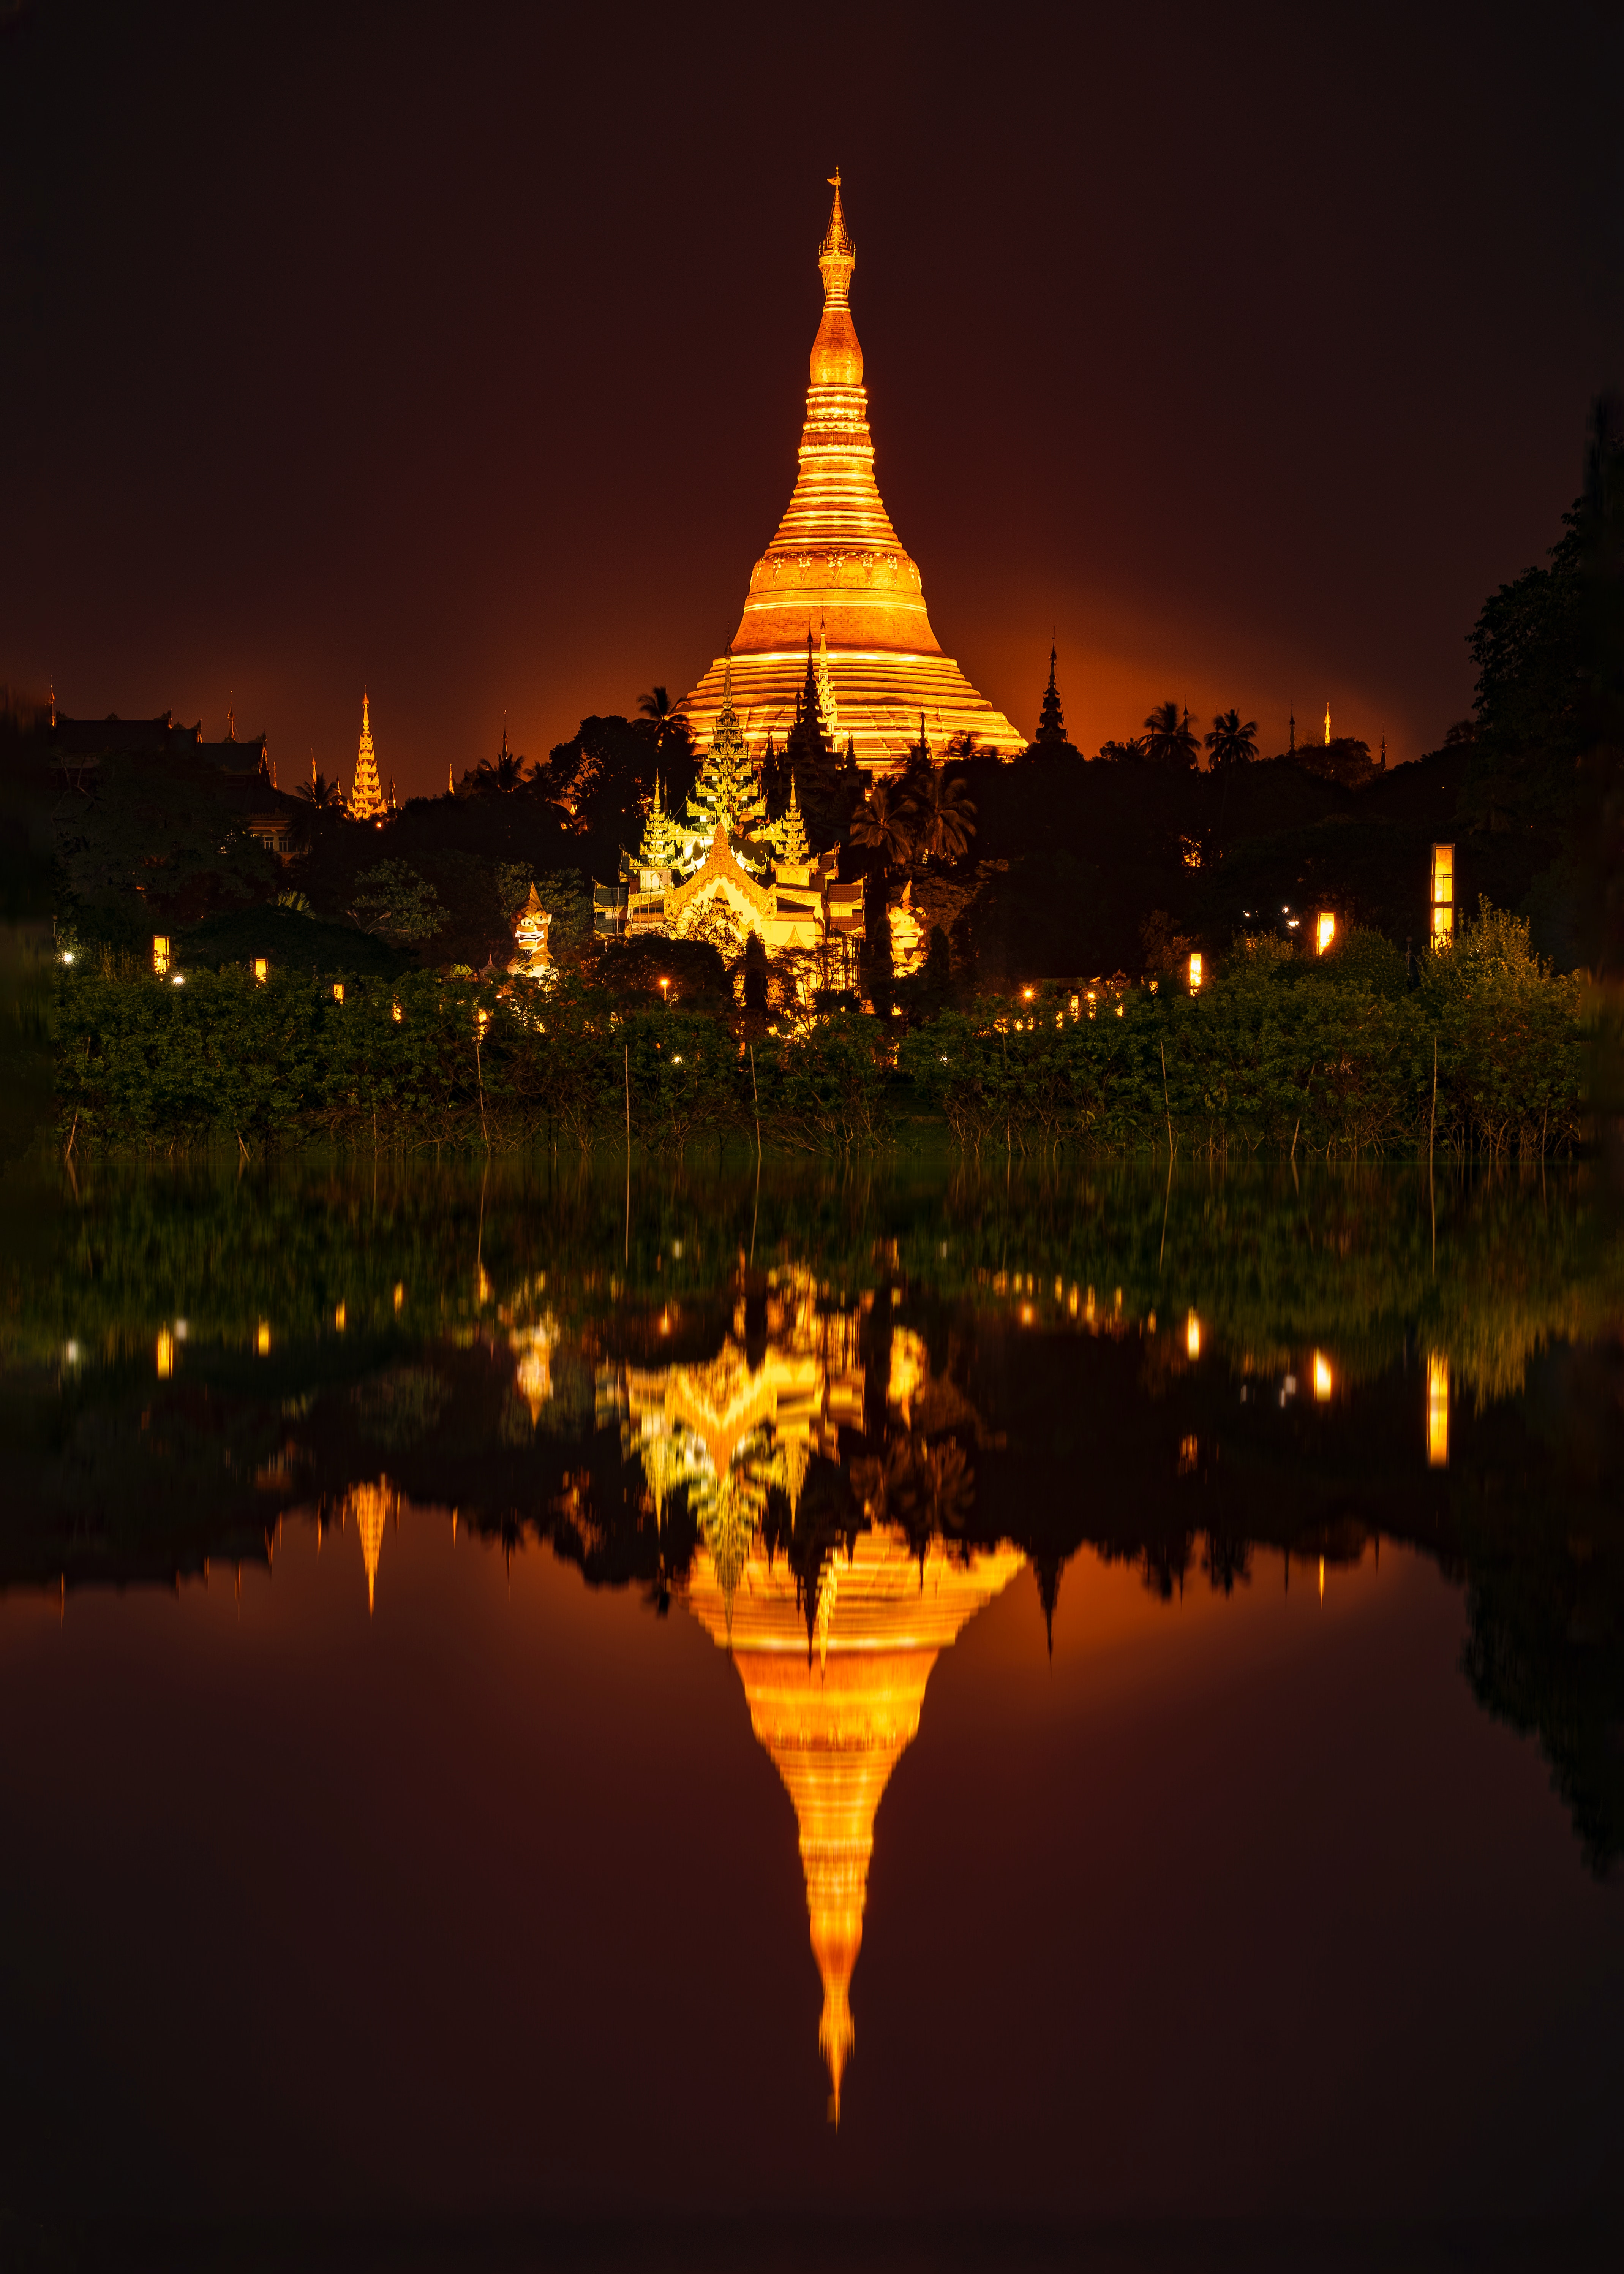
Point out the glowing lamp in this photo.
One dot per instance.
(262, 1339)
(1438, 1411)
(1192, 1335)
(394, 1013)
(1443, 892)
(1322, 1378)
(165, 1354)
(340, 1318)
(1195, 974)
(1026, 994)
(1325, 930)
(261, 970)
(338, 990)
(161, 954)
(664, 987)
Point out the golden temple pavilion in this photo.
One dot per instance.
(837, 573)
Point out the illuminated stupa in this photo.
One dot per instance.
(836, 1724)
(366, 799)
(836, 572)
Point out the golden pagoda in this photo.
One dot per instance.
(366, 799)
(837, 1722)
(836, 571)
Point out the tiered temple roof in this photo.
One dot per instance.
(366, 798)
(837, 571)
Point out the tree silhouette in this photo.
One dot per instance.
(324, 795)
(1170, 740)
(1232, 742)
(944, 816)
(884, 823)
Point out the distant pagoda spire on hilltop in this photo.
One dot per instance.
(1051, 721)
(366, 798)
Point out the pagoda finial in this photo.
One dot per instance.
(837, 359)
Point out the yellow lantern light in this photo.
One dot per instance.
(1322, 1377)
(1325, 930)
(1195, 974)
(1443, 892)
(161, 954)
(338, 990)
(1438, 1411)
(165, 1353)
(400, 1296)
(394, 1011)
(341, 1318)
(261, 970)
(262, 1339)
(1192, 1335)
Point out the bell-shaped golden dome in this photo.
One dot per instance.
(836, 562)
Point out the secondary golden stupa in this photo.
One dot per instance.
(836, 573)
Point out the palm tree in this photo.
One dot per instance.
(961, 746)
(944, 816)
(1170, 740)
(1232, 743)
(884, 823)
(325, 795)
(656, 706)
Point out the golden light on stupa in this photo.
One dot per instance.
(835, 573)
(1438, 1411)
(836, 1718)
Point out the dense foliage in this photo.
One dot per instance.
(1483, 1054)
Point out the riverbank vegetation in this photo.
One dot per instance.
(1473, 1049)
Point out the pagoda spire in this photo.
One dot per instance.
(1051, 722)
(795, 850)
(366, 803)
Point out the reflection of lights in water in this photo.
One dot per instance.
(1192, 1335)
(370, 1506)
(1322, 1578)
(262, 1339)
(1026, 1314)
(1189, 1454)
(400, 1296)
(341, 1318)
(1438, 1411)
(1322, 1377)
(165, 1353)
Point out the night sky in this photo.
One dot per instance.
(460, 353)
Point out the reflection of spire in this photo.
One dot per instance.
(370, 1506)
(836, 1730)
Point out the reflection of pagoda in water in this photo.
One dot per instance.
(835, 1700)
(837, 1724)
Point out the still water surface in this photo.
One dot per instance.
(835, 1714)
